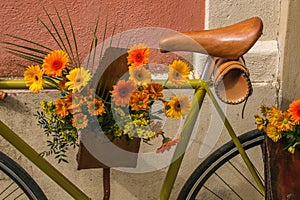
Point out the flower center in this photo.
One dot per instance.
(123, 93)
(57, 64)
(139, 57)
(285, 121)
(36, 78)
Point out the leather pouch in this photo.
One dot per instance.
(232, 82)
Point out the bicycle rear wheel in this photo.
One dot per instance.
(16, 183)
(223, 175)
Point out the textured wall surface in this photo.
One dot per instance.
(20, 18)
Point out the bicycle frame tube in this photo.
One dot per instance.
(31, 154)
(182, 145)
(186, 134)
(236, 141)
(41, 163)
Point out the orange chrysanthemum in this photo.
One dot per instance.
(275, 115)
(167, 144)
(155, 90)
(74, 102)
(61, 108)
(96, 107)
(285, 123)
(79, 121)
(122, 91)
(138, 55)
(33, 77)
(273, 133)
(294, 110)
(139, 100)
(55, 62)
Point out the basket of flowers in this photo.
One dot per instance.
(282, 156)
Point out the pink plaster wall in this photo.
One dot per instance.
(19, 18)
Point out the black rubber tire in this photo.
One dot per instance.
(21, 181)
(215, 161)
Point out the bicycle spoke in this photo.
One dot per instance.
(247, 179)
(215, 194)
(228, 185)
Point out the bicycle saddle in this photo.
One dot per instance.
(229, 42)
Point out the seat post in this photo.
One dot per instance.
(208, 69)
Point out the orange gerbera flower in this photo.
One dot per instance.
(155, 90)
(167, 144)
(79, 121)
(294, 110)
(96, 107)
(122, 91)
(61, 107)
(139, 100)
(138, 55)
(55, 62)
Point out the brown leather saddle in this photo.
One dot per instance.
(230, 42)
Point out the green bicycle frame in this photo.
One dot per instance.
(201, 89)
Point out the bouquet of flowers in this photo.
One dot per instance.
(131, 101)
(281, 125)
(127, 110)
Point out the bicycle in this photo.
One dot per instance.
(231, 43)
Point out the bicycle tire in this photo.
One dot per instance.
(16, 182)
(197, 185)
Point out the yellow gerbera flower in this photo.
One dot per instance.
(96, 107)
(178, 72)
(178, 106)
(294, 109)
(78, 78)
(80, 121)
(272, 132)
(140, 75)
(55, 62)
(138, 55)
(122, 91)
(33, 77)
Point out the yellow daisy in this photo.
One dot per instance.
(140, 75)
(33, 77)
(178, 106)
(55, 62)
(77, 78)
